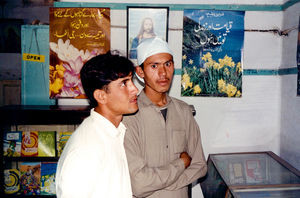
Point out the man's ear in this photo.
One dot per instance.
(139, 71)
(100, 96)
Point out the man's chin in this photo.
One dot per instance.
(164, 89)
(133, 109)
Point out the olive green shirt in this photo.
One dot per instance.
(153, 148)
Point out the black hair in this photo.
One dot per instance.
(100, 70)
(142, 66)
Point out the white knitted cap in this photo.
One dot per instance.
(149, 47)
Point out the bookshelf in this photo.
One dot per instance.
(14, 115)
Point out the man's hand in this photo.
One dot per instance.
(186, 159)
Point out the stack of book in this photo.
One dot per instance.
(32, 178)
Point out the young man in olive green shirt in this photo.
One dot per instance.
(162, 142)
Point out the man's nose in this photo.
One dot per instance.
(162, 70)
(133, 88)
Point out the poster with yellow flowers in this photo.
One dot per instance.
(76, 35)
(212, 53)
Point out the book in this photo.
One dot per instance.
(30, 178)
(46, 143)
(11, 181)
(62, 138)
(12, 143)
(254, 172)
(236, 175)
(29, 145)
(48, 172)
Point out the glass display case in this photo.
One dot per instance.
(255, 174)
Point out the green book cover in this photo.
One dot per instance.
(46, 144)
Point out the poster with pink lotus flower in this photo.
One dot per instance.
(76, 35)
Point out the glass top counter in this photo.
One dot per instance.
(255, 174)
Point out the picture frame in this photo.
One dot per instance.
(155, 19)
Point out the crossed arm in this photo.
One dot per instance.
(178, 173)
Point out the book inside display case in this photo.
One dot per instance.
(255, 174)
(33, 138)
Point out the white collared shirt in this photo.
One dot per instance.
(93, 163)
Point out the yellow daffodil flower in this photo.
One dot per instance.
(197, 89)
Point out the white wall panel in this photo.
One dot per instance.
(175, 20)
(120, 43)
(239, 124)
(290, 111)
(118, 30)
(262, 50)
(175, 43)
(290, 121)
(262, 20)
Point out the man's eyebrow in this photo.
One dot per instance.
(129, 77)
(155, 63)
(152, 63)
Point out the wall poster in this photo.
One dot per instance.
(76, 35)
(143, 23)
(212, 53)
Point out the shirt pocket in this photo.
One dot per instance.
(179, 141)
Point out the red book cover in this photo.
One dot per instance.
(29, 144)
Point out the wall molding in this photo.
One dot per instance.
(177, 7)
(262, 72)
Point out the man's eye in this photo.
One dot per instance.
(153, 66)
(123, 84)
(168, 64)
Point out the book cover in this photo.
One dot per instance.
(48, 171)
(30, 178)
(62, 138)
(254, 172)
(29, 143)
(46, 143)
(236, 175)
(12, 143)
(11, 181)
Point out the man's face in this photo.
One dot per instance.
(148, 25)
(122, 96)
(158, 72)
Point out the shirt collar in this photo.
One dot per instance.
(147, 102)
(105, 124)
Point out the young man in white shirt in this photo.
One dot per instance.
(93, 163)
